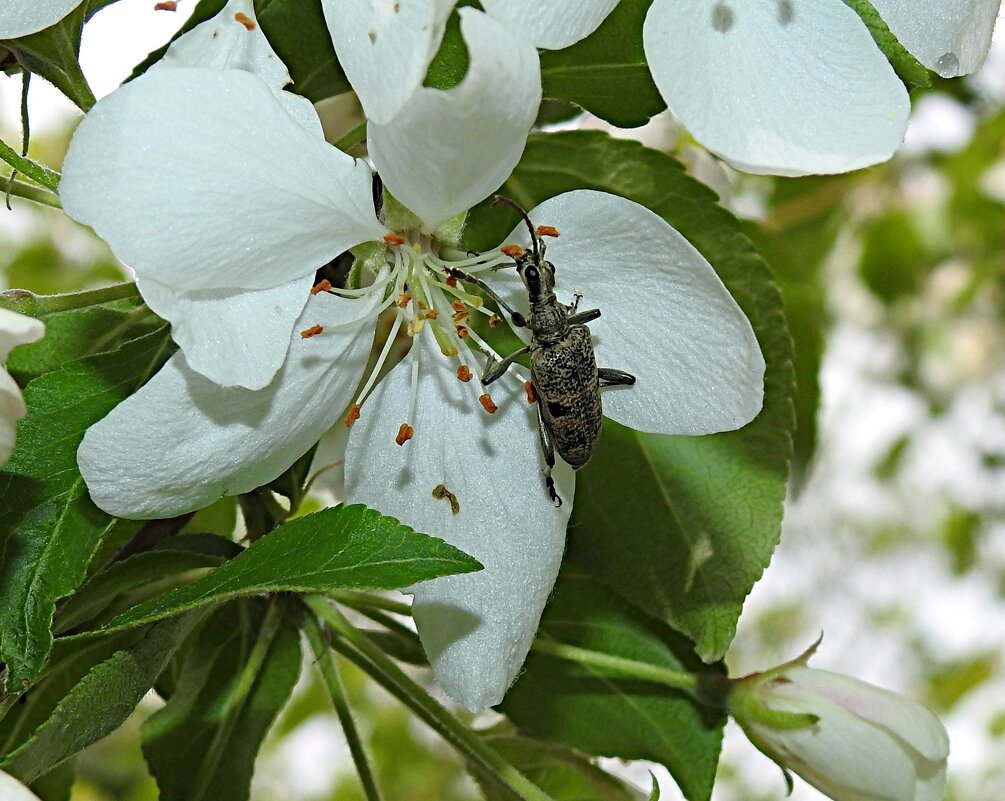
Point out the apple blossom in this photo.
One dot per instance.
(792, 88)
(220, 192)
(21, 17)
(15, 329)
(851, 740)
(12, 790)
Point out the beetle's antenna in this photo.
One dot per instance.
(530, 226)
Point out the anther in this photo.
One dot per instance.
(458, 306)
(245, 20)
(432, 314)
(353, 415)
(313, 331)
(494, 320)
(415, 325)
(462, 331)
(514, 251)
(422, 306)
(404, 300)
(487, 404)
(323, 286)
(460, 317)
(464, 373)
(167, 5)
(531, 394)
(547, 230)
(404, 434)
(394, 240)
(441, 492)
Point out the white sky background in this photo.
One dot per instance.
(821, 565)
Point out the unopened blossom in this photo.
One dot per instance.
(385, 47)
(789, 88)
(15, 329)
(21, 17)
(851, 740)
(228, 239)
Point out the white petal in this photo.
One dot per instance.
(12, 790)
(554, 24)
(201, 179)
(446, 151)
(12, 409)
(236, 338)
(224, 42)
(843, 756)
(21, 17)
(17, 329)
(783, 88)
(476, 628)
(182, 441)
(385, 47)
(951, 38)
(666, 317)
(915, 724)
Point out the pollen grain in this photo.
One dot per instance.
(313, 331)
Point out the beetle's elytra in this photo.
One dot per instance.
(564, 375)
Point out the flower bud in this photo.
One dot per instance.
(15, 329)
(12, 790)
(851, 740)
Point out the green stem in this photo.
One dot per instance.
(354, 137)
(39, 173)
(25, 302)
(31, 192)
(329, 673)
(238, 692)
(130, 320)
(361, 600)
(489, 764)
(679, 679)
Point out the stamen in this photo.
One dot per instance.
(353, 415)
(460, 317)
(323, 286)
(440, 492)
(380, 360)
(547, 230)
(457, 306)
(464, 373)
(432, 314)
(494, 320)
(514, 251)
(531, 394)
(393, 240)
(167, 5)
(404, 434)
(462, 331)
(313, 331)
(487, 404)
(404, 300)
(245, 20)
(415, 325)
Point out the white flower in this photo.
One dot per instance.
(15, 329)
(859, 743)
(385, 46)
(12, 790)
(789, 88)
(21, 17)
(225, 203)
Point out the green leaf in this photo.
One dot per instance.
(686, 538)
(604, 714)
(297, 31)
(348, 547)
(564, 774)
(234, 677)
(910, 70)
(49, 528)
(99, 703)
(606, 73)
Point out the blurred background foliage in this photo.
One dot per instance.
(894, 541)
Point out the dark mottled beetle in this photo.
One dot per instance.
(564, 375)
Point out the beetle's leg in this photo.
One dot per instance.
(518, 319)
(496, 369)
(583, 317)
(609, 377)
(575, 302)
(549, 454)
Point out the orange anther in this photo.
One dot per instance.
(487, 404)
(494, 320)
(512, 250)
(313, 331)
(458, 306)
(546, 230)
(245, 20)
(167, 5)
(394, 240)
(404, 300)
(432, 314)
(462, 331)
(531, 394)
(463, 373)
(460, 317)
(422, 306)
(451, 281)
(323, 286)
(353, 415)
(404, 434)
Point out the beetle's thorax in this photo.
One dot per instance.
(547, 319)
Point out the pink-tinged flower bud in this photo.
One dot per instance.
(849, 739)
(15, 329)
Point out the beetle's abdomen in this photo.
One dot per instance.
(565, 375)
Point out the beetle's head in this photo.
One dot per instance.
(537, 274)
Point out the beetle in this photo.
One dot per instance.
(565, 379)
